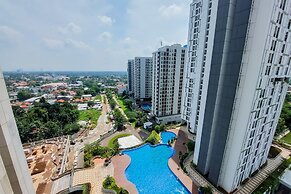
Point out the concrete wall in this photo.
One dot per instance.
(12, 156)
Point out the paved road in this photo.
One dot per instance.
(103, 126)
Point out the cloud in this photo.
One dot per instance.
(9, 34)
(128, 42)
(171, 10)
(53, 43)
(70, 28)
(105, 36)
(76, 44)
(59, 44)
(106, 20)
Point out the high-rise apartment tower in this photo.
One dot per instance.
(237, 74)
(168, 74)
(130, 78)
(142, 78)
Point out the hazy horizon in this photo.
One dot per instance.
(87, 35)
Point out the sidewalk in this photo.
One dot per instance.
(196, 177)
(259, 178)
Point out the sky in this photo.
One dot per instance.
(87, 35)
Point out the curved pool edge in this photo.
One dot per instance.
(180, 175)
(183, 178)
(120, 164)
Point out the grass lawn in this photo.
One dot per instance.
(98, 97)
(129, 113)
(87, 115)
(287, 138)
(113, 139)
(121, 103)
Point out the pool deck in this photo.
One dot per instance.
(120, 164)
(174, 161)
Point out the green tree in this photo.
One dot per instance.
(24, 95)
(281, 125)
(91, 103)
(119, 119)
(44, 121)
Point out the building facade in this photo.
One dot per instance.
(237, 75)
(130, 75)
(168, 74)
(14, 174)
(142, 82)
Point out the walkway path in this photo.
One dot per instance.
(196, 177)
(250, 185)
(120, 109)
(174, 162)
(259, 178)
(120, 164)
(94, 176)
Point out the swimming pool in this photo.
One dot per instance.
(166, 136)
(149, 170)
(146, 107)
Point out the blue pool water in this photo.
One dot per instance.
(166, 136)
(149, 170)
(146, 107)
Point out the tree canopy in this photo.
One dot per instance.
(44, 121)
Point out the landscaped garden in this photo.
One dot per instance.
(154, 138)
(109, 183)
(95, 149)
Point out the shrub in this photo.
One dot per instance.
(190, 146)
(95, 149)
(131, 120)
(154, 138)
(109, 183)
(86, 188)
(206, 190)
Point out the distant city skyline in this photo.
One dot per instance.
(87, 35)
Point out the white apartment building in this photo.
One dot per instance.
(14, 174)
(130, 75)
(168, 73)
(237, 73)
(142, 78)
